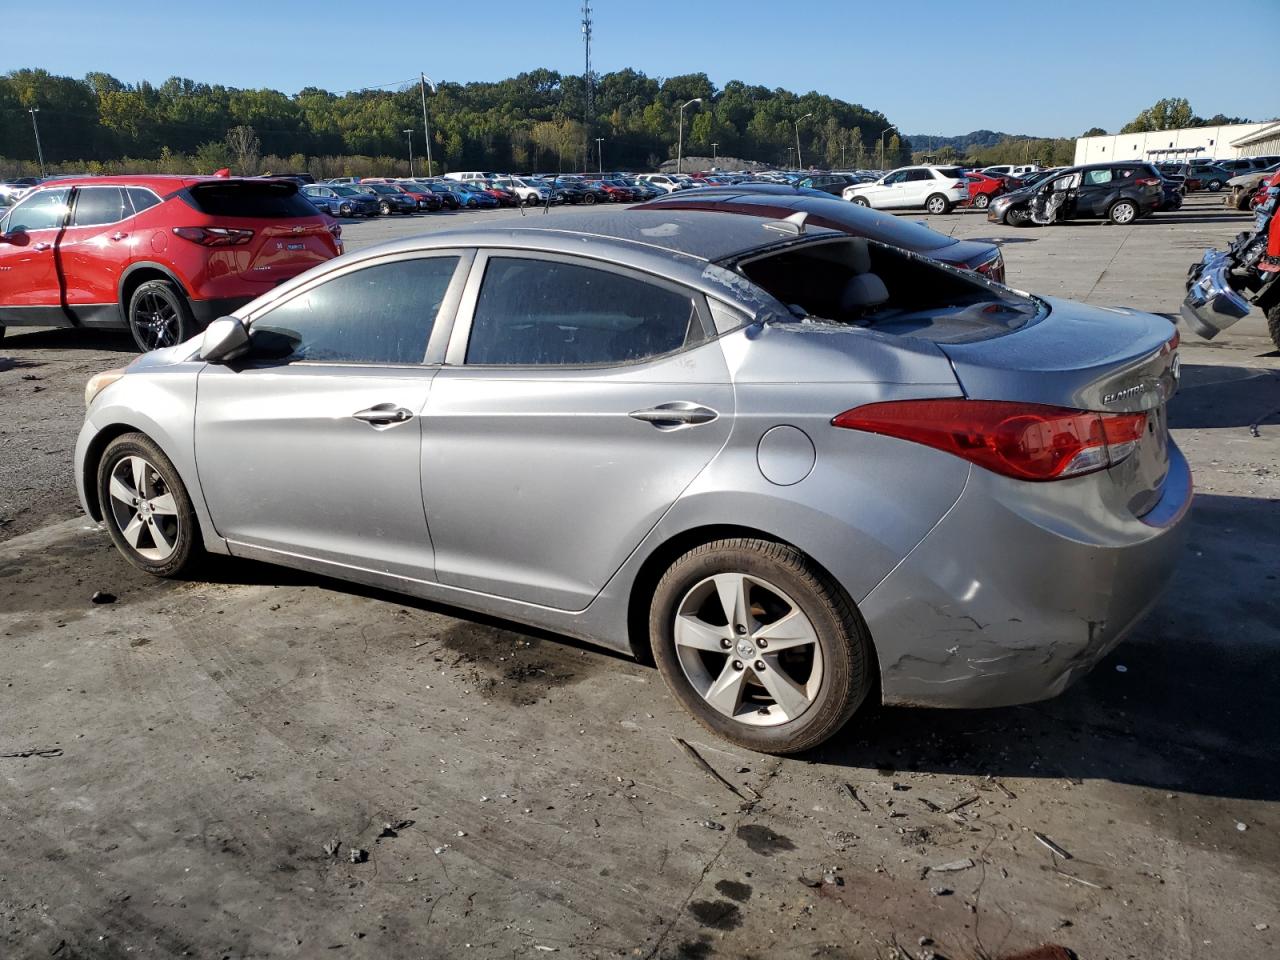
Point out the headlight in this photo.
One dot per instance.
(99, 382)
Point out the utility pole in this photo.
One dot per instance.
(36, 127)
(409, 133)
(843, 164)
(713, 153)
(680, 137)
(600, 153)
(426, 127)
(586, 74)
(884, 159)
(799, 159)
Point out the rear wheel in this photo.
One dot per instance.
(159, 315)
(589, 199)
(384, 208)
(982, 201)
(1214, 186)
(761, 646)
(861, 201)
(937, 204)
(146, 507)
(1123, 211)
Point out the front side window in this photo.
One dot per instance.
(546, 313)
(42, 210)
(898, 177)
(379, 314)
(96, 206)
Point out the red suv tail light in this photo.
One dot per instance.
(214, 236)
(1026, 441)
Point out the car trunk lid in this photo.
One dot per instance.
(1103, 359)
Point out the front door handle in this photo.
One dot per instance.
(384, 415)
(681, 413)
(42, 245)
(118, 235)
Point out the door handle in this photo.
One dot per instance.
(384, 415)
(42, 245)
(118, 235)
(681, 413)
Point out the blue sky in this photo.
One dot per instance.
(1019, 66)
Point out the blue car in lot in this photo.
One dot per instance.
(472, 198)
(340, 201)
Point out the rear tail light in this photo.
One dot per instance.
(1148, 181)
(992, 269)
(214, 236)
(1026, 441)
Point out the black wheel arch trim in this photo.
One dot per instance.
(141, 265)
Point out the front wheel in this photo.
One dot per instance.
(159, 315)
(344, 210)
(384, 208)
(1017, 217)
(760, 645)
(1123, 211)
(937, 204)
(589, 199)
(982, 201)
(146, 507)
(1215, 186)
(861, 202)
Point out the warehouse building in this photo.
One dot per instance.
(1221, 143)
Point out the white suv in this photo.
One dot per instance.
(528, 190)
(936, 189)
(662, 181)
(1012, 169)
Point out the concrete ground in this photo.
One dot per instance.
(176, 767)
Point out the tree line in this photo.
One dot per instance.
(533, 121)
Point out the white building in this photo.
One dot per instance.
(1220, 143)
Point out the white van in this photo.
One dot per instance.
(469, 175)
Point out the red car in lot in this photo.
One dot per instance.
(983, 188)
(158, 255)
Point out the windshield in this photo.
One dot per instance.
(345, 191)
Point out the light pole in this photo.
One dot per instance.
(600, 154)
(883, 158)
(680, 138)
(423, 82)
(409, 134)
(799, 157)
(713, 153)
(790, 156)
(36, 127)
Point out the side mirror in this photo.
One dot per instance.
(18, 237)
(224, 339)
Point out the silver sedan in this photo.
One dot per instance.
(798, 467)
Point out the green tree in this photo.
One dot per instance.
(1169, 113)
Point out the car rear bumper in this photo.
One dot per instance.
(1211, 305)
(206, 311)
(1011, 599)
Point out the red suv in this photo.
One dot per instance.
(160, 255)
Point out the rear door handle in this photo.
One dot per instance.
(118, 235)
(384, 415)
(680, 413)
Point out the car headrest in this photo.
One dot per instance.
(863, 291)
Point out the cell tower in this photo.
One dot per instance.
(586, 42)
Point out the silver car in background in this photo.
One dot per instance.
(798, 467)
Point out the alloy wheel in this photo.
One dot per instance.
(748, 649)
(1123, 212)
(156, 320)
(936, 205)
(143, 509)
(982, 201)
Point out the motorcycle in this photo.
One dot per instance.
(1225, 285)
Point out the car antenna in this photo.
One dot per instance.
(793, 225)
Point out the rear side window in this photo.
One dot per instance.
(380, 314)
(96, 206)
(238, 198)
(141, 199)
(544, 313)
(1097, 177)
(953, 173)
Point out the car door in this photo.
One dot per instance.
(577, 401)
(93, 251)
(917, 187)
(884, 193)
(1093, 196)
(310, 447)
(29, 272)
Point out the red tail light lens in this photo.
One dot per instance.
(1148, 181)
(1025, 441)
(214, 236)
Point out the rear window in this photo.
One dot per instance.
(267, 199)
(954, 172)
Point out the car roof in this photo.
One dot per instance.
(156, 181)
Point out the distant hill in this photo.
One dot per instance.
(962, 143)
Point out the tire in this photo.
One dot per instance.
(1273, 323)
(937, 204)
(982, 201)
(166, 541)
(159, 315)
(1016, 217)
(384, 208)
(861, 201)
(1123, 212)
(589, 199)
(823, 675)
(472, 203)
(1214, 186)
